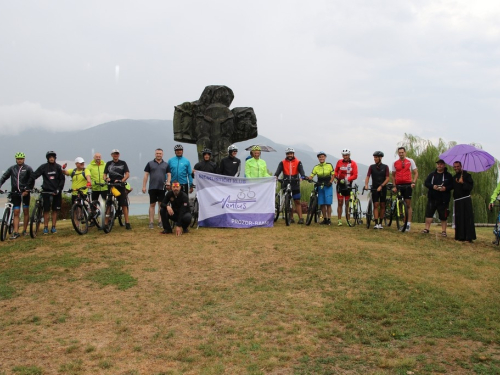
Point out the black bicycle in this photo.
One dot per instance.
(313, 210)
(112, 210)
(369, 208)
(496, 230)
(195, 212)
(7, 226)
(285, 199)
(36, 217)
(85, 211)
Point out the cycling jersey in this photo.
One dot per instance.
(78, 179)
(324, 171)
(256, 168)
(403, 169)
(346, 170)
(230, 166)
(19, 177)
(96, 175)
(180, 168)
(116, 170)
(291, 168)
(378, 173)
(53, 177)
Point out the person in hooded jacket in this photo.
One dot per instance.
(206, 165)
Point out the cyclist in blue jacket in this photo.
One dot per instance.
(180, 167)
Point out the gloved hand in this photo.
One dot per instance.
(64, 165)
(89, 184)
(342, 181)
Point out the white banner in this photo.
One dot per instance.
(235, 202)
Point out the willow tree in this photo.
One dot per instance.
(425, 154)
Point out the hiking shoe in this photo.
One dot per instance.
(15, 235)
(165, 231)
(151, 226)
(301, 221)
(45, 230)
(185, 230)
(53, 230)
(340, 223)
(292, 221)
(324, 222)
(127, 226)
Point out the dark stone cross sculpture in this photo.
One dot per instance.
(209, 123)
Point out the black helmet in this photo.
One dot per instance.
(379, 154)
(206, 151)
(178, 147)
(50, 153)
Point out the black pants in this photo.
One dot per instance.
(165, 219)
(97, 194)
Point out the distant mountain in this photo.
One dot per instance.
(137, 141)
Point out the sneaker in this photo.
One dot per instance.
(127, 226)
(340, 223)
(407, 227)
(53, 230)
(292, 221)
(301, 221)
(375, 226)
(185, 230)
(380, 226)
(92, 224)
(160, 225)
(45, 230)
(165, 231)
(25, 234)
(15, 235)
(329, 221)
(324, 222)
(151, 226)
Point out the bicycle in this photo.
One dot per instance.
(313, 210)
(353, 211)
(8, 217)
(36, 217)
(397, 208)
(496, 231)
(84, 210)
(195, 211)
(112, 210)
(369, 208)
(285, 200)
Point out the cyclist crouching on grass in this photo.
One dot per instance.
(346, 171)
(116, 171)
(53, 182)
(380, 178)
(80, 177)
(325, 174)
(19, 175)
(175, 206)
(292, 169)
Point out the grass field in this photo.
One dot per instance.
(286, 300)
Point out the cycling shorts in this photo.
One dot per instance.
(122, 199)
(156, 195)
(439, 206)
(325, 195)
(380, 196)
(97, 194)
(16, 201)
(295, 192)
(52, 202)
(406, 191)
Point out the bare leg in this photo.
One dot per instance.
(298, 208)
(408, 204)
(16, 220)
(340, 206)
(125, 213)
(54, 218)
(151, 212)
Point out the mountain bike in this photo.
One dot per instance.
(353, 211)
(286, 199)
(84, 211)
(397, 208)
(36, 217)
(195, 212)
(7, 226)
(112, 210)
(313, 210)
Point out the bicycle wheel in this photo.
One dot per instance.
(288, 210)
(195, 213)
(108, 217)
(119, 216)
(5, 224)
(79, 219)
(96, 215)
(277, 207)
(401, 215)
(358, 212)
(349, 214)
(36, 219)
(389, 212)
(497, 234)
(312, 209)
(369, 214)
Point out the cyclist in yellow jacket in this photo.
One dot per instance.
(256, 167)
(326, 173)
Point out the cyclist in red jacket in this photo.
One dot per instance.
(346, 171)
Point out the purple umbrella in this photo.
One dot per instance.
(473, 159)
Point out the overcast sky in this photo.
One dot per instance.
(353, 74)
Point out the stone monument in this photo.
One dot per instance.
(209, 123)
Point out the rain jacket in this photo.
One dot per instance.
(180, 169)
(96, 172)
(256, 168)
(19, 177)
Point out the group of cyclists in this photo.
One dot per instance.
(171, 182)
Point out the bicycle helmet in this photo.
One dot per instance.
(232, 148)
(20, 155)
(50, 153)
(256, 148)
(320, 153)
(379, 154)
(289, 149)
(206, 151)
(346, 151)
(178, 147)
(79, 160)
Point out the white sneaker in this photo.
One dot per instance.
(407, 228)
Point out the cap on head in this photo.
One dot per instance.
(346, 151)
(20, 155)
(320, 153)
(79, 160)
(115, 151)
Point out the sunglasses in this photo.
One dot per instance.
(176, 185)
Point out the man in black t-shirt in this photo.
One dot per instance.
(380, 178)
(175, 206)
(117, 171)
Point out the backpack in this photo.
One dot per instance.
(74, 172)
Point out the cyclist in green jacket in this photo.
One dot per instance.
(256, 167)
(494, 196)
(326, 173)
(96, 169)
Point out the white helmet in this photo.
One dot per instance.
(346, 151)
(289, 149)
(79, 160)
